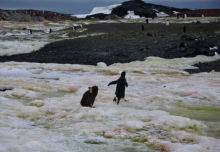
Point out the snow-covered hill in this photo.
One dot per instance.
(99, 10)
(133, 9)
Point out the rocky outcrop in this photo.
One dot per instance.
(100, 16)
(33, 15)
(192, 46)
(6, 15)
(133, 9)
(112, 17)
(202, 12)
(144, 9)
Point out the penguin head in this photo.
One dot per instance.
(95, 88)
(123, 74)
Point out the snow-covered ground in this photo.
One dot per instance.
(131, 15)
(97, 10)
(168, 109)
(14, 40)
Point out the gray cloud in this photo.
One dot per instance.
(86, 6)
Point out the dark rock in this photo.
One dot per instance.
(200, 12)
(200, 50)
(2, 89)
(112, 17)
(210, 53)
(182, 44)
(27, 15)
(210, 44)
(143, 9)
(143, 49)
(149, 34)
(189, 52)
(100, 16)
(188, 38)
(205, 67)
(200, 47)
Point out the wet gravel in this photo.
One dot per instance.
(126, 42)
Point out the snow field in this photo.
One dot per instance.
(43, 111)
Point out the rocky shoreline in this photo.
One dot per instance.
(127, 42)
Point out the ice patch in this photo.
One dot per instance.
(104, 10)
(133, 126)
(101, 64)
(97, 10)
(131, 15)
(162, 14)
(18, 47)
(177, 122)
(175, 12)
(213, 48)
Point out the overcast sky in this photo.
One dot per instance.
(86, 6)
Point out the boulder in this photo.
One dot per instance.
(149, 34)
(188, 38)
(202, 48)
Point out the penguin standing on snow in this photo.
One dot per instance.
(30, 31)
(89, 96)
(120, 87)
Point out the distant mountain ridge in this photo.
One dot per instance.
(27, 15)
(203, 12)
(148, 10)
(141, 9)
(144, 9)
(137, 8)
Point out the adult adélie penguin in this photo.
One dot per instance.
(120, 87)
